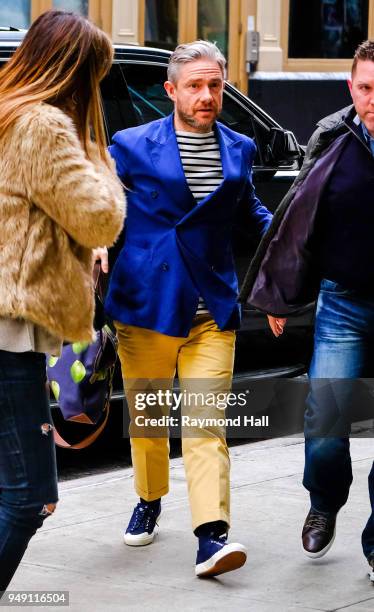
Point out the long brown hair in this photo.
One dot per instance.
(61, 61)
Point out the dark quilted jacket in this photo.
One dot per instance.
(281, 279)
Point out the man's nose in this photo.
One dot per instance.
(205, 94)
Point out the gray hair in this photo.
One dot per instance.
(189, 52)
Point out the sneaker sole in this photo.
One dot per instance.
(320, 553)
(142, 539)
(228, 559)
(371, 575)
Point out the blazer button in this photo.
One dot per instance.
(213, 269)
(165, 266)
(154, 194)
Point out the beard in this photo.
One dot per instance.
(203, 125)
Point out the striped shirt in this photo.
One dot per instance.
(202, 166)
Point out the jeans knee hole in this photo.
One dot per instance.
(46, 428)
(47, 510)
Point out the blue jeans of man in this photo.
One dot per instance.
(28, 475)
(343, 352)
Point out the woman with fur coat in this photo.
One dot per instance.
(59, 199)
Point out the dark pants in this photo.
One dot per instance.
(343, 351)
(28, 476)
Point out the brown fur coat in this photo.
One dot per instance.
(55, 207)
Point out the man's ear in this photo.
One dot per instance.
(170, 89)
(349, 82)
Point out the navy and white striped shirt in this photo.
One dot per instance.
(201, 161)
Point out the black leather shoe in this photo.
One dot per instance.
(318, 533)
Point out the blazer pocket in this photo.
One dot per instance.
(133, 269)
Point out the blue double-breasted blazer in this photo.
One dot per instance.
(176, 250)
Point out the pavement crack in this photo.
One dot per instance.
(251, 484)
(355, 603)
(89, 520)
(363, 459)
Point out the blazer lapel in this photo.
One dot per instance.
(230, 150)
(164, 152)
(231, 159)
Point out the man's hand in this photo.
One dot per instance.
(276, 325)
(101, 254)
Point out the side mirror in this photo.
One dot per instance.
(282, 147)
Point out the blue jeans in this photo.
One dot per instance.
(343, 351)
(28, 475)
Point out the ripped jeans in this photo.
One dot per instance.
(28, 475)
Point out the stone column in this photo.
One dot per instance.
(126, 21)
(269, 13)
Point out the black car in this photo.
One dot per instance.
(133, 94)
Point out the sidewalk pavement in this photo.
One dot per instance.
(80, 547)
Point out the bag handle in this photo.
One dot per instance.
(100, 282)
(62, 443)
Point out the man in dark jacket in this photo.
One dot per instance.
(321, 243)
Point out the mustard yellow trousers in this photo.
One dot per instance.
(204, 362)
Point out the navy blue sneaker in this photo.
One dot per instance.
(215, 556)
(143, 526)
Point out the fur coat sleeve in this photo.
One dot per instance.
(86, 199)
(55, 206)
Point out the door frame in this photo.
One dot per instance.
(99, 11)
(187, 32)
(315, 64)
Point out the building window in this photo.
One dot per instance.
(15, 13)
(78, 6)
(329, 29)
(161, 23)
(213, 22)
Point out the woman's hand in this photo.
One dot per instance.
(101, 254)
(276, 325)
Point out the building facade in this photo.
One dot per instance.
(303, 48)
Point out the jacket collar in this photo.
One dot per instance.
(336, 120)
(164, 151)
(344, 120)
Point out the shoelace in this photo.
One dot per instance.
(143, 514)
(221, 538)
(318, 521)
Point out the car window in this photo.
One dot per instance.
(146, 88)
(118, 108)
(236, 117)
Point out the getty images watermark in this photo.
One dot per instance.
(193, 403)
(264, 408)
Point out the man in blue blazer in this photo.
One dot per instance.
(173, 293)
